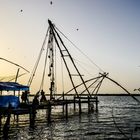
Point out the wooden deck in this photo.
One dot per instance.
(31, 110)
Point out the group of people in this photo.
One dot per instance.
(24, 97)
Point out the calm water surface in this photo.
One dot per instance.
(118, 118)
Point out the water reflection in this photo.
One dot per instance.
(99, 126)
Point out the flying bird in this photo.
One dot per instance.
(21, 10)
(137, 89)
(51, 2)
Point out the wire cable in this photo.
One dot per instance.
(80, 50)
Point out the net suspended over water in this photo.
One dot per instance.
(54, 46)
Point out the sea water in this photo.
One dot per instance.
(118, 118)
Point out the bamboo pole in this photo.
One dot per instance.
(80, 106)
(66, 109)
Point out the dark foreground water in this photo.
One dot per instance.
(118, 118)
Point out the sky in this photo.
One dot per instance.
(108, 33)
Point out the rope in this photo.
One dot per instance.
(14, 64)
(62, 76)
(55, 70)
(82, 66)
(71, 59)
(80, 50)
(138, 101)
(43, 76)
(90, 85)
(37, 62)
(80, 85)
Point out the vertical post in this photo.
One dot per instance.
(0, 121)
(88, 104)
(66, 109)
(17, 120)
(74, 104)
(96, 104)
(32, 116)
(79, 106)
(49, 111)
(63, 102)
(6, 126)
(33, 112)
(16, 77)
(18, 93)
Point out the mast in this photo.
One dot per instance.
(55, 34)
(51, 65)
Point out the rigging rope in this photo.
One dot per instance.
(81, 84)
(71, 59)
(105, 76)
(14, 64)
(55, 69)
(43, 75)
(37, 62)
(62, 76)
(82, 66)
(80, 50)
(10, 78)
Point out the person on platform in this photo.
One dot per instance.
(24, 97)
(43, 98)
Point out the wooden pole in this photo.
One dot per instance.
(66, 109)
(63, 102)
(79, 106)
(17, 120)
(88, 104)
(49, 112)
(6, 126)
(96, 104)
(32, 116)
(33, 112)
(0, 121)
(74, 104)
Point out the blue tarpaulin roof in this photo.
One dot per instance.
(9, 99)
(12, 86)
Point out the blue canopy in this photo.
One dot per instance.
(9, 99)
(12, 86)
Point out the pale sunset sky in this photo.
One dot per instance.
(108, 33)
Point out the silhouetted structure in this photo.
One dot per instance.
(24, 97)
(43, 98)
(7, 124)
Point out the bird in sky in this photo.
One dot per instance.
(51, 2)
(21, 10)
(137, 89)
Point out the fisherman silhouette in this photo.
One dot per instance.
(33, 112)
(35, 101)
(24, 97)
(43, 98)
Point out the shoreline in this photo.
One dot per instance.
(100, 94)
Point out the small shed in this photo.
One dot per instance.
(13, 100)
